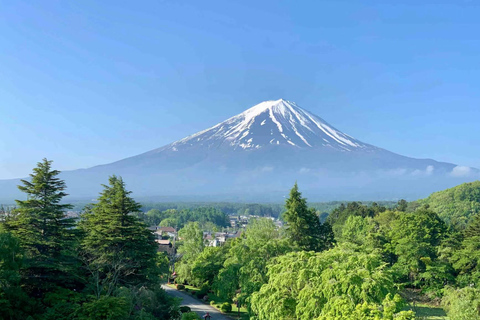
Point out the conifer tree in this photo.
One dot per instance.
(303, 225)
(45, 232)
(117, 247)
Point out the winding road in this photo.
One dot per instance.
(200, 308)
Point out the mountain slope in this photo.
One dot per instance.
(258, 154)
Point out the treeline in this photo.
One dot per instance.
(103, 266)
(357, 265)
(209, 218)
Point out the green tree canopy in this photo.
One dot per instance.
(117, 247)
(303, 226)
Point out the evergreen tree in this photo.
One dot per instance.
(117, 247)
(303, 225)
(45, 232)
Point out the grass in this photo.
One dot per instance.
(428, 312)
(218, 302)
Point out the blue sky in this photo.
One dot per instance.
(91, 82)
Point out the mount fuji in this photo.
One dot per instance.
(259, 154)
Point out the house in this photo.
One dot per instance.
(166, 232)
(165, 246)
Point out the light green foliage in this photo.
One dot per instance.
(303, 226)
(339, 216)
(117, 247)
(456, 205)
(357, 230)
(208, 264)
(462, 304)
(247, 258)
(414, 239)
(192, 246)
(333, 283)
(226, 307)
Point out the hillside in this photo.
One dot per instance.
(455, 205)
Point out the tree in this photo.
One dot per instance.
(333, 284)
(414, 240)
(303, 225)
(45, 231)
(117, 247)
(246, 262)
(192, 246)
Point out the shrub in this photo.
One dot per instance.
(226, 307)
(200, 295)
(190, 316)
(180, 287)
(212, 302)
(185, 309)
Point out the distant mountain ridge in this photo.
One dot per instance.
(259, 153)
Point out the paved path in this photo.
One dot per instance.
(199, 307)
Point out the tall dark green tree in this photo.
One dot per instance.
(45, 232)
(117, 247)
(303, 225)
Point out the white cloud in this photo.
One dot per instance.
(461, 171)
(266, 169)
(304, 170)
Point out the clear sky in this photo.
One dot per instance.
(91, 82)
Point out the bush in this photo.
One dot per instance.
(180, 287)
(185, 309)
(226, 307)
(212, 302)
(190, 316)
(462, 303)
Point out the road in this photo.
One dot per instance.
(200, 308)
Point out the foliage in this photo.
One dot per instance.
(339, 216)
(333, 283)
(462, 304)
(190, 316)
(414, 238)
(247, 258)
(117, 247)
(303, 226)
(208, 264)
(192, 246)
(456, 206)
(226, 307)
(45, 232)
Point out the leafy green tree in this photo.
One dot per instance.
(192, 246)
(45, 232)
(333, 284)
(117, 247)
(414, 240)
(462, 304)
(466, 257)
(208, 264)
(303, 226)
(245, 267)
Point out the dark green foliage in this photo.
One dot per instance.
(45, 232)
(226, 307)
(117, 248)
(185, 309)
(456, 205)
(303, 226)
(339, 216)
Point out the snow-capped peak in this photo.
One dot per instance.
(274, 122)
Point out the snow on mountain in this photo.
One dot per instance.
(275, 122)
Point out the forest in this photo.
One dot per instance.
(362, 261)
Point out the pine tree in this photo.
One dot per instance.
(117, 247)
(45, 232)
(303, 225)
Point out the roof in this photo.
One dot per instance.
(167, 229)
(163, 242)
